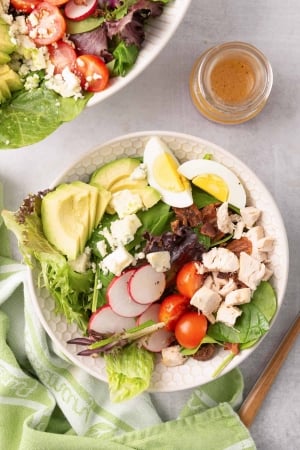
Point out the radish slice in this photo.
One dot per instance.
(119, 298)
(106, 321)
(146, 285)
(158, 340)
(78, 12)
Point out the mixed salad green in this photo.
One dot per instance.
(48, 74)
(88, 292)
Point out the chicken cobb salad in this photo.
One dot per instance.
(55, 54)
(155, 260)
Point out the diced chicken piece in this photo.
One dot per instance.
(171, 356)
(268, 274)
(250, 215)
(219, 282)
(255, 235)
(220, 259)
(238, 229)
(228, 314)
(224, 223)
(228, 287)
(238, 297)
(251, 271)
(208, 282)
(206, 300)
(265, 244)
(200, 268)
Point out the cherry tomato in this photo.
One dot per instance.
(46, 24)
(25, 6)
(93, 72)
(62, 55)
(57, 2)
(171, 308)
(190, 329)
(188, 281)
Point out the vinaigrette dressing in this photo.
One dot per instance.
(230, 83)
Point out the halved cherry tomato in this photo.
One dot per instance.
(25, 6)
(171, 308)
(190, 329)
(188, 280)
(57, 2)
(93, 73)
(62, 55)
(46, 24)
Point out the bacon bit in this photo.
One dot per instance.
(80, 2)
(208, 229)
(209, 213)
(240, 245)
(233, 347)
(189, 216)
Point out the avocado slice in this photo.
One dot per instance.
(9, 82)
(6, 44)
(4, 89)
(128, 183)
(4, 58)
(66, 219)
(112, 172)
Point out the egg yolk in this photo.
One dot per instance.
(166, 175)
(213, 184)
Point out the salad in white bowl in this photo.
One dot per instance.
(153, 266)
(57, 56)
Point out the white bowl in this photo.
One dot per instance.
(192, 373)
(158, 32)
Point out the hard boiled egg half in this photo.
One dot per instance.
(162, 173)
(215, 179)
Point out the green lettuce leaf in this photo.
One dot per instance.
(71, 290)
(129, 371)
(33, 115)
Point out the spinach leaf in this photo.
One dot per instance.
(32, 115)
(264, 298)
(251, 325)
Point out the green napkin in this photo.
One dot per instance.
(48, 403)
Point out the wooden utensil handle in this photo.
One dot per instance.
(259, 391)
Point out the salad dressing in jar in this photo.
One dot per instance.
(230, 83)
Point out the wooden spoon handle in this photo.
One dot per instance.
(259, 391)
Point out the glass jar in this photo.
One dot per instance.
(230, 83)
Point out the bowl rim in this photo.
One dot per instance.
(118, 83)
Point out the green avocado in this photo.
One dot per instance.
(150, 196)
(9, 82)
(4, 58)
(6, 44)
(70, 213)
(109, 174)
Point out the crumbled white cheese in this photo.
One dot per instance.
(160, 261)
(67, 84)
(117, 261)
(123, 230)
(126, 202)
(140, 173)
(102, 248)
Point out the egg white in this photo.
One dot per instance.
(193, 168)
(153, 149)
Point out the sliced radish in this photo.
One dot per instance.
(158, 340)
(75, 11)
(146, 285)
(119, 298)
(106, 321)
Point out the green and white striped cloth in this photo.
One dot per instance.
(46, 403)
